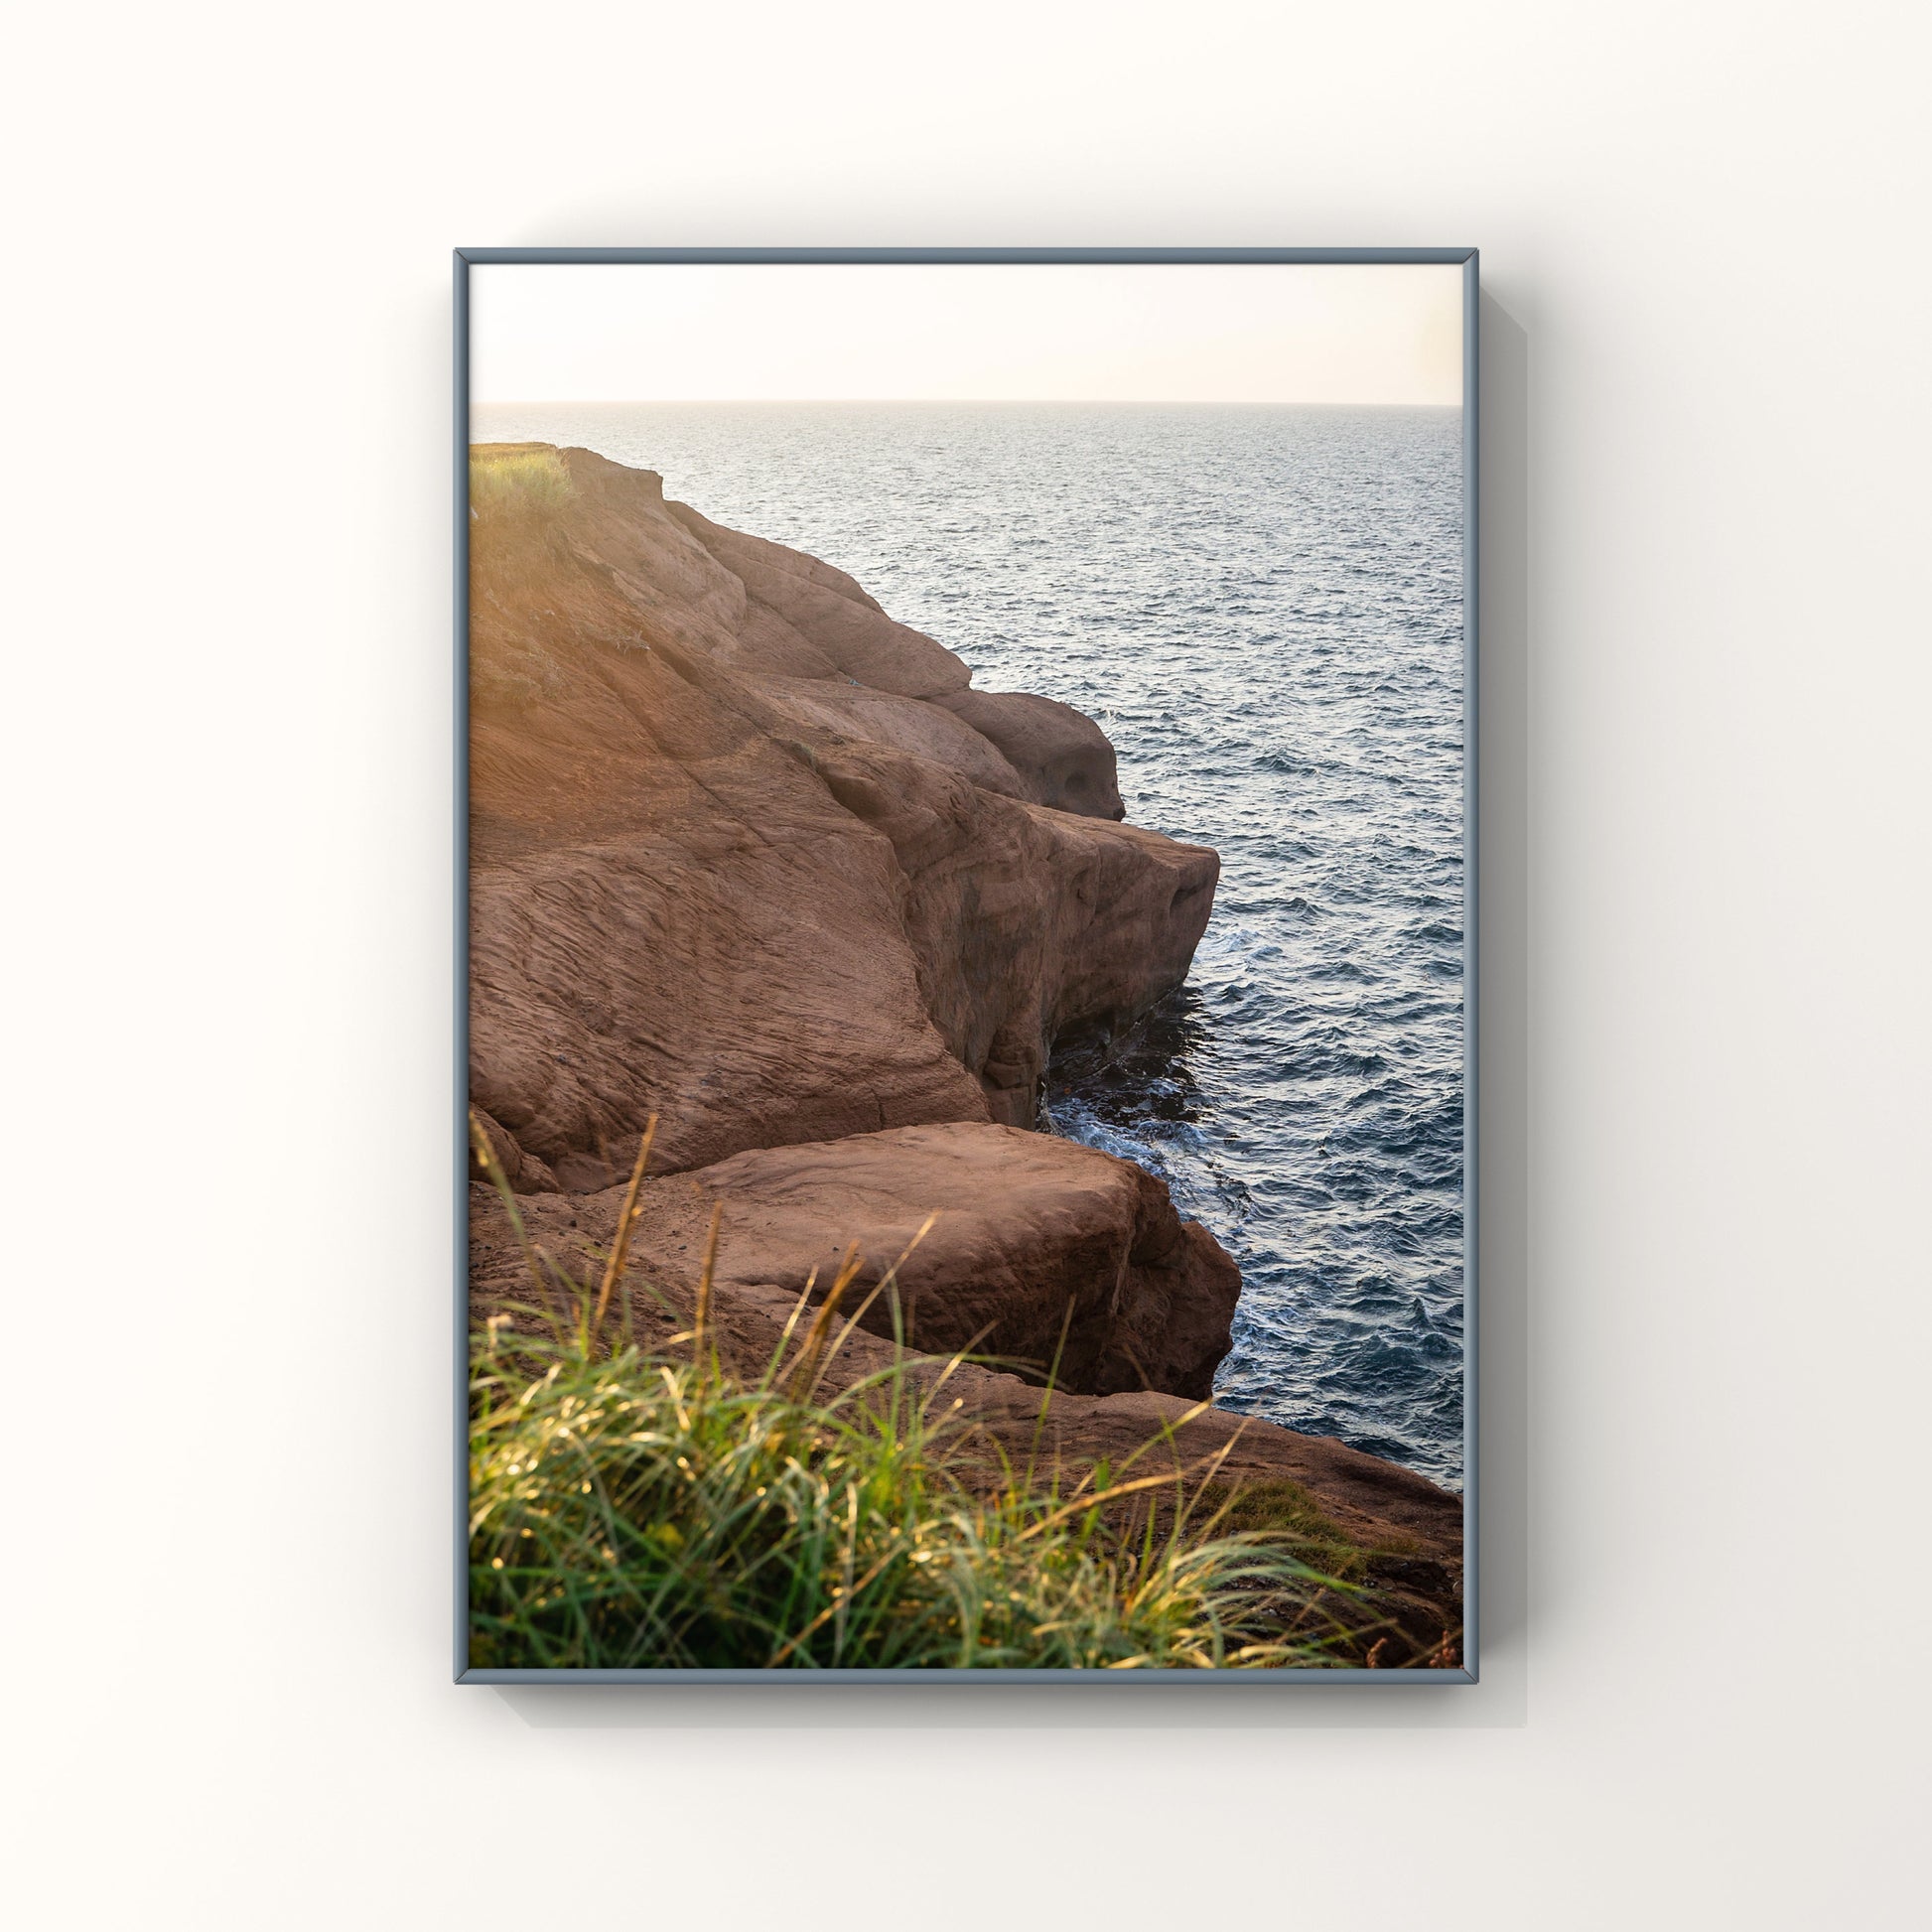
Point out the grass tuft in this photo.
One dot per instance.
(633, 1511)
(517, 481)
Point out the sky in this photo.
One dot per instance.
(1265, 333)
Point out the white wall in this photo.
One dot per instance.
(226, 775)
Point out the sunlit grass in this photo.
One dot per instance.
(514, 480)
(632, 1509)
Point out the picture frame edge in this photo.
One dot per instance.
(463, 258)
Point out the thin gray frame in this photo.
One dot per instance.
(1469, 260)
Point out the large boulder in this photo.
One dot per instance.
(1043, 1249)
(1065, 759)
(833, 712)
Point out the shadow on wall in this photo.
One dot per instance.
(1502, 1699)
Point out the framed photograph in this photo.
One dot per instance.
(967, 1137)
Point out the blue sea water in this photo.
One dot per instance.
(1263, 608)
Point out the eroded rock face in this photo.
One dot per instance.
(839, 711)
(718, 880)
(1028, 924)
(1066, 760)
(828, 610)
(736, 867)
(634, 978)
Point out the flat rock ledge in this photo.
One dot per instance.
(1041, 1251)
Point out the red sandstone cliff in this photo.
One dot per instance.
(741, 858)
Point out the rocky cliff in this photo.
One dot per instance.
(751, 856)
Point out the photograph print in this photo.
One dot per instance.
(967, 1133)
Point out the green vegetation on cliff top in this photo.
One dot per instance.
(512, 478)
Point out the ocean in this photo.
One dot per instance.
(1263, 608)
